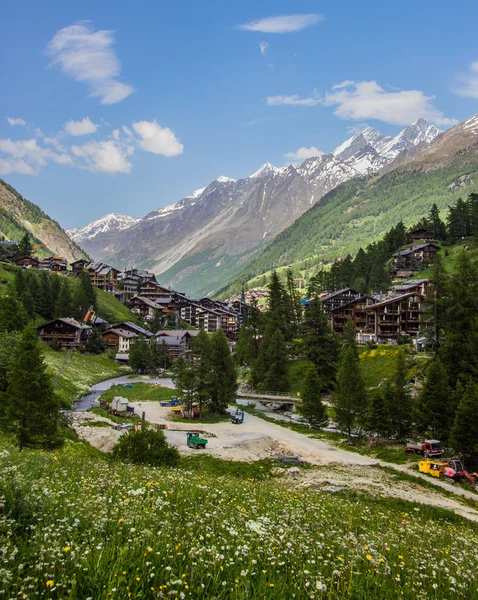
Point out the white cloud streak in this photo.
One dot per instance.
(263, 47)
(87, 56)
(14, 122)
(27, 157)
(469, 82)
(105, 156)
(283, 23)
(157, 139)
(83, 127)
(302, 153)
(368, 100)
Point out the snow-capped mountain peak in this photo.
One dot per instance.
(265, 170)
(109, 223)
(224, 179)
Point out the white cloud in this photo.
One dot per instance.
(293, 100)
(115, 134)
(358, 128)
(87, 56)
(84, 127)
(469, 86)
(302, 153)
(263, 47)
(368, 100)
(127, 130)
(106, 156)
(283, 23)
(157, 139)
(27, 157)
(14, 122)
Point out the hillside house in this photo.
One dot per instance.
(186, 308)
(395, 317)
(128, 326)
(103, 276)
(68, 333)
(28, 262)
(118, 339)
(356, 310)
(335, 299)
(131, 281)
(414, 258)
(55, 264)
(144, 307)
(419, 234)
(177, 340)
(78, 266)
(419, 286)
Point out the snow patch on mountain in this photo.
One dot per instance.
(108, 223)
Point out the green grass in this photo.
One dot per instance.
(78, 525)
(207, 418)
(111, 309)
(139, 392)
(80, 372)
(101, 412)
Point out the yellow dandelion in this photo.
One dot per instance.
(66, 549)
(369, 557)
(50, 583)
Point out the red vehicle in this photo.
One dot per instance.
(428, 448)
(456, 472)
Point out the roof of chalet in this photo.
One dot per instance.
(69, 321)
(136, 328)
(163, 300)
(333, 294)
(147, 301)
(80, 260)
(177, 332)
(415, 249)
(393, 299)
(121, 333)
(354, 301)
(101, 268)
(407, 285)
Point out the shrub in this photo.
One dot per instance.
(146, 446)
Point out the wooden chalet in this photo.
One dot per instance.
(69, 333)
(118, 339)
(414, 258)
(128, 326)
(178, 341)
(144, 307)
(103, 276)
(208, 319)
(418, 286)
(338, 298)
(28, 262)
(78, 266)
(55, 264)
(395, 317)
(418, 234)
(131, 281)
(186, 308)
(356, 310)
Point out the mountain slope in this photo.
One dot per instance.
(361, 210)
(204, 239)
(19, 216)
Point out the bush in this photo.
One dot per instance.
(146, 446)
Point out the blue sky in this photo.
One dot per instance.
(126, 107)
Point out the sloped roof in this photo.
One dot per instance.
(393, 299)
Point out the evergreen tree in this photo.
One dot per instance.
(84, 296)
(96, 343)
(436, 226)
(473, 212)
(458, 220)
(311, 406)
(25, 246)
(223, 385)
(320, 344)
(434, 409)
(156, 322)
(139, 355)
(63, 303)
(20, 282)
(55, 287)
(146, 446)
(13, 316)
(29, 305)
(184, 377)
(294, 307)
(201, 358)
(163, 356)
(44, 303)
(278, 315)
(275, 358)
(33, 287)
(464, 433)
(349, 397)
(245, 353)
(401, 413)
(378, 416)
(32, 408)
(435, 305)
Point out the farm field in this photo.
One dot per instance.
(77, 525)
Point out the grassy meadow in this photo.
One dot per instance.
(138, 392)
(74, 524)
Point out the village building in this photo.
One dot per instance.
(118, 339)
(338, 298)
(68, 333)
(78, 266)
(419, 286)
(356, 310)
(103, 276)
(395, 318)
(414, 258)
(178, 341)
(128, 326)
(28, 262)
(145, 308)
(419, 234)
(55, 264)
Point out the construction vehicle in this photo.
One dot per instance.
(452, 470)
(193, 440)
(428, 448)
(238, 417)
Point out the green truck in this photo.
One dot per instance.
(193, 440)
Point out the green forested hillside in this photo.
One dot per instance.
(360, 211)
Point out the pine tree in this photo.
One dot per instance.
(435, 305)
(245, 348)
(378, 416)
(13, 316)
(139, 355)
(32, 408)
(473, 212)
(96, 343)
(294, 307)
(201, 358)
(223, 385)
(25, 246)
(436, 226)
(464, 433)
(184, 377)
(45, 300)
(63, 303)
(278, 316)
(311, 406)
(29, 305)
(275, 355)
(434, 410)
(401, 413)
(349, 398)
(320, 345)
(20, 282)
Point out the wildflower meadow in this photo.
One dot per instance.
(75, 524)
